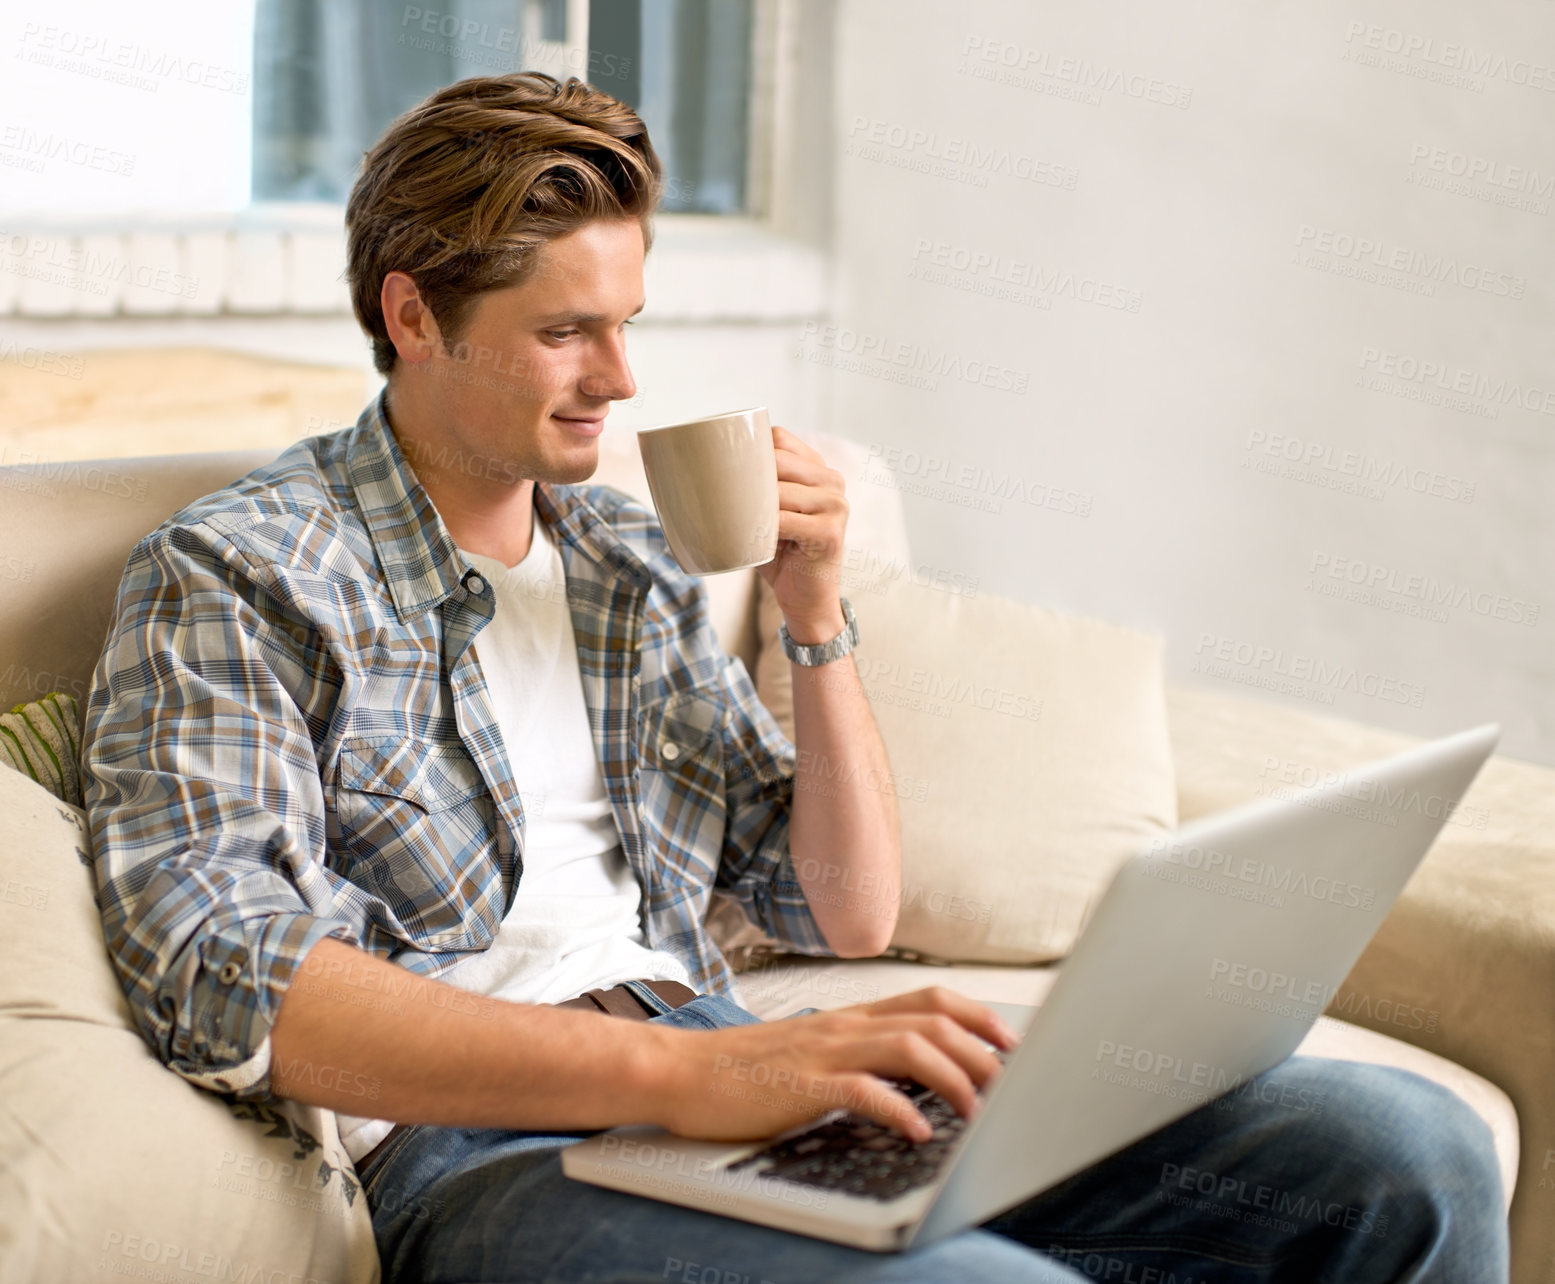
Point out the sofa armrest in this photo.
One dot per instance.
(1464, 965)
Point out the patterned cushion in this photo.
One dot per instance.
(43, 740)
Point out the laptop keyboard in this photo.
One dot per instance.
(857, 1156)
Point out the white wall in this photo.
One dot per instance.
(1183, 303)
(89, 88)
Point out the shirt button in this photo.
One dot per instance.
(670, 750)
(476, 585)
(229, 973)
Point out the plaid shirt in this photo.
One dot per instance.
(289, 737)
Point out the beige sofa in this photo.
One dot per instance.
(1471, 942)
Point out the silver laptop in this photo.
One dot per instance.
(1209, 957)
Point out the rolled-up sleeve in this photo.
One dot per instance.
(757, 868)
(206, 810)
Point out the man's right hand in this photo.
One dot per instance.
(754, 1081)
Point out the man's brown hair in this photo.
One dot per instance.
(463, 191)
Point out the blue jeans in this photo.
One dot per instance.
(1317, 1170)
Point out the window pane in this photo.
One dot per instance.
(553, 20)
(684, 65)
(329, 76)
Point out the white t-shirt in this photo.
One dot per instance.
(574, 924)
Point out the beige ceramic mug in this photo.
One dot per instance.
(714, 482)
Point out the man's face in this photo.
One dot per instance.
(526, 388)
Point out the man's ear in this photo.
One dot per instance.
(410, 323)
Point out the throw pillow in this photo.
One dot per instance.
(114, 1165)
(1029, 758)
(43, 740)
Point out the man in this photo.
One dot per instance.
(412, 703)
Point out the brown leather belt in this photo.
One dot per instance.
(617, 1001)
(620, 1001)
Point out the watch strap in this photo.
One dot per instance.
(814, 654)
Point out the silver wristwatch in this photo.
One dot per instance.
(822, 652)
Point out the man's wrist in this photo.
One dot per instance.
(658, 1073)
(814, 630)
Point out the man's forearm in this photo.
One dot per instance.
(844, 832)
(365, 1037)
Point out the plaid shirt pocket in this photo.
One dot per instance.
(681, 773)
(416, 825)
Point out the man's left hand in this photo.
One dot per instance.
(806, 573)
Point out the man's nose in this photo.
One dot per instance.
(611, 375)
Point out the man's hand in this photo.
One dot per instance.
(806, 573)
(756, 1081)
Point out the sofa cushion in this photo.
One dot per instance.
(114, 1164)
(1029, 758)
(785, 986)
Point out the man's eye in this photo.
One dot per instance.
(561, 334)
